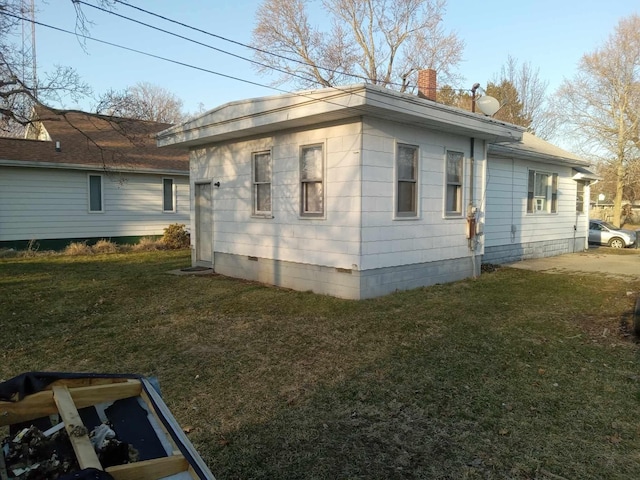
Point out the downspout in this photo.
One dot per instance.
(471, 210)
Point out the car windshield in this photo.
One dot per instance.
(609, 226)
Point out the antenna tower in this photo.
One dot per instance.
(28, 12)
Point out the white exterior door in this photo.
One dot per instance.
(204, 225)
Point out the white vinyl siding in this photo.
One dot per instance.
(428, 237)
(330, 240)
(507, 220)
(42, 203)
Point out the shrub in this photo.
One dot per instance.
(104, 246)
(78, 248)
(176, 236)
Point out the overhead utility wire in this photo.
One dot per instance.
(299, 94)
(251, 47)
(235, 42)
(177, 62)
(220, 37)
(209, 46)
(111, 44)
(191, 40)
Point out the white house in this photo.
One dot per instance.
(537, 201)
(354, 192)
(82, 177)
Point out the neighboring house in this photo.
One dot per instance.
(354, 192)
(82, 177)
(537, 201)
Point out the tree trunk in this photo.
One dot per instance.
(617, 202)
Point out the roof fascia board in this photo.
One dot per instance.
(268, 114)
(504, 151)
(76, 166)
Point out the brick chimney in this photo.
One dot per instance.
(427, 84)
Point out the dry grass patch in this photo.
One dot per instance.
(77, 248)
(147, 244)
(104, 246)
(498, 377)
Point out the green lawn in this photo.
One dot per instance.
(517, 374)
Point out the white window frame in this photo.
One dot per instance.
(407, 214)
(174, 196)
(89, 177)
(457, 184)
(255, 184)
(304, 211)
(546, 204)
(581, 186)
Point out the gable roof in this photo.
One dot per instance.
(88, 141)
(534, 148)
(265, 115)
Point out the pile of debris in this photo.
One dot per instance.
(33, 454)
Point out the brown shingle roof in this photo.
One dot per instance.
(92, 140)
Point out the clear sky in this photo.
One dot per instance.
(550, 34)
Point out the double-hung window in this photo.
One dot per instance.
(407, 178)
(168, 195)
(95, 194)
(580, 196)
(453, 195)
(311, 181)
(542, 194)
(261, 183)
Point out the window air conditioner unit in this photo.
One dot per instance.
(539, 204)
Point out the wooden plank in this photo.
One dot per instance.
(86, 382)
(78, 433)
(149, 469)
(41, 404)
(152, 409)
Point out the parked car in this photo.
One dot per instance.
(604, 233)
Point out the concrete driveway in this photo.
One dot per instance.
(595, 260)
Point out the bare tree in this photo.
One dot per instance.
(383, 42)
(142, 101)
(19, 90)
(601, 102)
(530, 99)
(609, 182)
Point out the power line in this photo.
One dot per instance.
(299, 94)
(235, 42)
(184, 64)
(177, 62)
(191, 40)
(182, 24)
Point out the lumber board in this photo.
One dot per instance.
(42, 403)
(152, 409)
(149, 469)
(78, 434)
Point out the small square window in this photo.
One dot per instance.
(542, 194)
